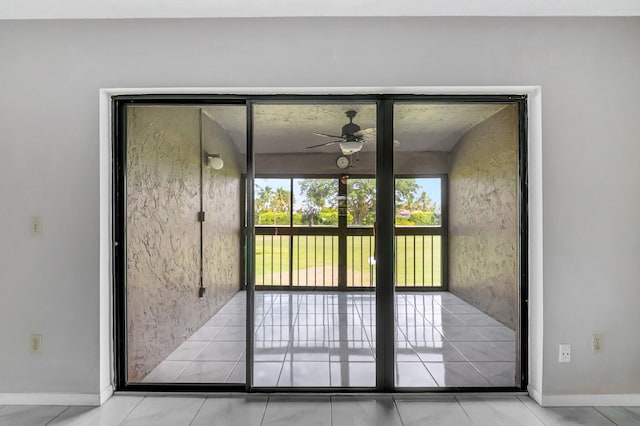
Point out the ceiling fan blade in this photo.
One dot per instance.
(324, 135)
(324, 144)
(369, 133)
(396, 142)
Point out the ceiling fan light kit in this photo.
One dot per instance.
(349, 148)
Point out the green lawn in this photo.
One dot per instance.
(315, 261)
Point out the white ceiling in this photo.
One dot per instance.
(100, 9)
(290, 128)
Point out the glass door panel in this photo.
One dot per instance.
(310, 330)
(185, 315)
(456, 216)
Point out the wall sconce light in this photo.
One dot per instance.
(215, 161)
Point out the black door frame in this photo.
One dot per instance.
(385, 234)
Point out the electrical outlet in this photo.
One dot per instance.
(596, 343)
(36, 226)
(36, 343)
(565, 353)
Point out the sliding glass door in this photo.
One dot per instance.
(320, 243)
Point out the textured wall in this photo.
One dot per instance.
(483, 218)
(222, 227)
(163, 234)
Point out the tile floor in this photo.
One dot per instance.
(322, 339)
(326, 410)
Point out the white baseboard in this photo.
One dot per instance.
(53, 398)
(535, 394)
(596, 400)
(106, 394)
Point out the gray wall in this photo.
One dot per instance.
(51, 72)
(163, 233)
(483, 217)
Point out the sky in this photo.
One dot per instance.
(429, 185)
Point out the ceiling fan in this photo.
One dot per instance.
(352, 137)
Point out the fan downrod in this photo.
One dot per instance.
(348, 130)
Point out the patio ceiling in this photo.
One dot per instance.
(290, 128)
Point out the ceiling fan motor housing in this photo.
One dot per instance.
(348, 131)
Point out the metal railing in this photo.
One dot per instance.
(417, 260)
(315, 261)
(309, 257)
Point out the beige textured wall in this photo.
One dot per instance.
(483, 217)
(222, 227)
(163, 234)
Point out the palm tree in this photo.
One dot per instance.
(263, 201)
(280, 203)
(425, 203)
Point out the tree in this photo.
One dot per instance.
(361, 200)
(437, 216)
(271, 206)
(421, 218)
(315, 193)
(280, 203)
(405, 194)
(424, 203)
(263, 201)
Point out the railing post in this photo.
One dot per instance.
(342, 239)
